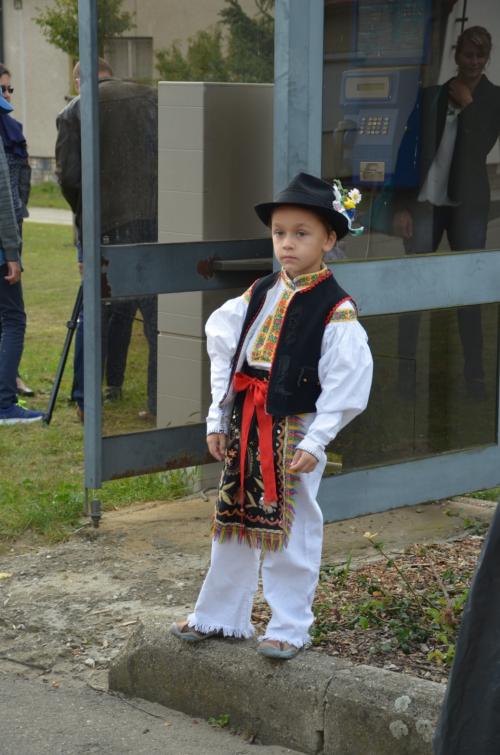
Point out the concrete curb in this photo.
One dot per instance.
(313, 703)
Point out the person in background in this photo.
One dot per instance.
(12, 314)
(129, 148)
(11, 133)
(443, 186)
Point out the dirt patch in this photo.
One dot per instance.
(400, 613)
(69, 609)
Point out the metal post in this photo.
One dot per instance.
(298, 92)
(91, 202)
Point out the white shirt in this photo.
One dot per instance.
(435, 188)
(345, 367)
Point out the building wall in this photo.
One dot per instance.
(42, 74)
(170, 20)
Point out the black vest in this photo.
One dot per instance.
(294, 385)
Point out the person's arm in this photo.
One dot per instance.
(223, 331)
(345, 373)
(9, 234)
(68, 156)
(25, 183)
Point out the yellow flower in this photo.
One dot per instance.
(349, 204)
(370, 535)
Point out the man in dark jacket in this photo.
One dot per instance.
(128, 153)
(12, 314)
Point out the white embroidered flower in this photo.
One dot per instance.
(355, 195)
(337, 193)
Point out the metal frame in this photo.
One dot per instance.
(380, 287)
(91, 232)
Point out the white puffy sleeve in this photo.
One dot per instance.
(345, 373)
(223, 329)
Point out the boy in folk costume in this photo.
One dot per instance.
(290, 367)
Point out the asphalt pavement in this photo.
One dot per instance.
(59, 717)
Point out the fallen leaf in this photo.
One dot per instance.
(5, 574)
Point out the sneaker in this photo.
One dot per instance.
(16, 414)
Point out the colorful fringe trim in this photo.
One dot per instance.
(254, 538)
(294, 433)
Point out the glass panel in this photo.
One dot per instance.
(412, 120)
(172, 157)
(434, 389)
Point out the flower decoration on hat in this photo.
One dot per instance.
(345, 202)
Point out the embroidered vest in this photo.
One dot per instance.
(294, 385)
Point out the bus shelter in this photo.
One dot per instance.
(352, 80)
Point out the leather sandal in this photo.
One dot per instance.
(183, 631)
(276, 649)
(22, 389)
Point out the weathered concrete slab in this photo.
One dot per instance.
(377, 712)
(313, 703)
(281, 704)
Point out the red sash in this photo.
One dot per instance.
(255, 401)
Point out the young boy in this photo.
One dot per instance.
(290, 367)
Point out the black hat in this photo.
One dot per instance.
(312, 193)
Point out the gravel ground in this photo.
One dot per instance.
(66, 610)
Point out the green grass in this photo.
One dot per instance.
(41, 468)
(493, 494)
(47, 194)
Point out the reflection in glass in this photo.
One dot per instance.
(129, 366)
(426, 403)
(130, 357)
(411, 119)
(168, 174)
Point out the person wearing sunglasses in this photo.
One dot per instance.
(14, 142)
(12, 313)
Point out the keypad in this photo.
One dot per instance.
(374, 125)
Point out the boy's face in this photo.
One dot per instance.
(300, 240)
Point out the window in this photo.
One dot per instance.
(131, 57)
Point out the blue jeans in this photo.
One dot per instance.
(13, 327)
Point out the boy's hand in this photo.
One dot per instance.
(217, 444)
(303, 462)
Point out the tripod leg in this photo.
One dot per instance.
(71, 325)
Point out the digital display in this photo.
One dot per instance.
(371, 86)
(367, 86)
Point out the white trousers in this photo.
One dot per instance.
(289, 577)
